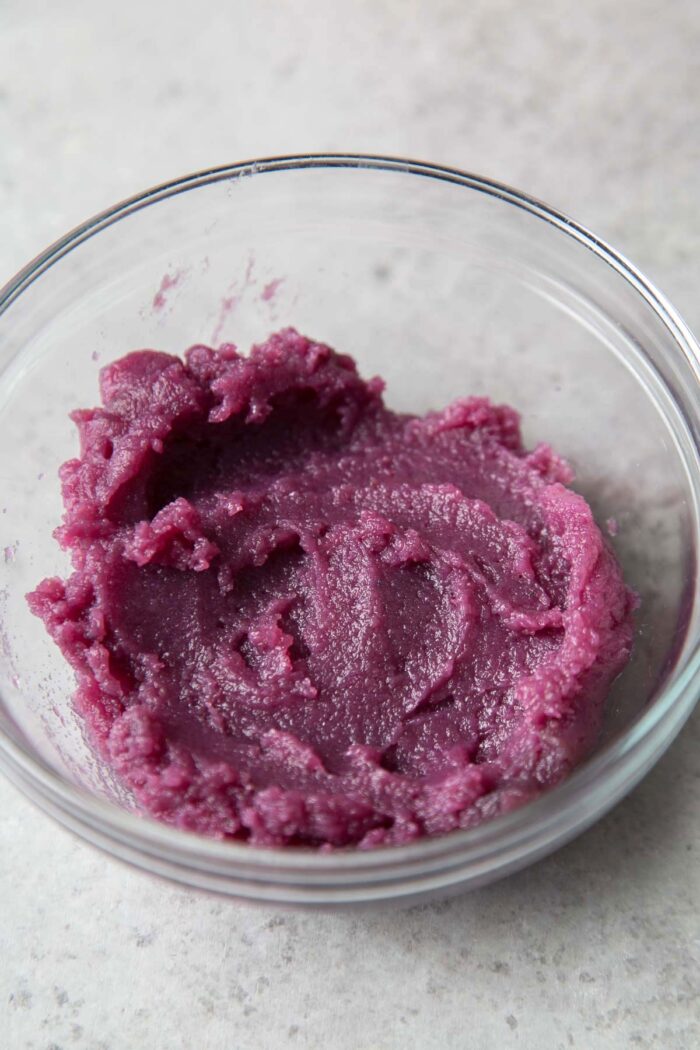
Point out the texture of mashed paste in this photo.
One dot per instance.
(297, 617)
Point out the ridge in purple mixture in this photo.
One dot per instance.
(296, 617)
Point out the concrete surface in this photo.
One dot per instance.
(591, 106)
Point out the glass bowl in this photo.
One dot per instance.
(446, 285)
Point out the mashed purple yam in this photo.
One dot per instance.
(297, 617)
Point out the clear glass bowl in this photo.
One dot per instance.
(446, 285)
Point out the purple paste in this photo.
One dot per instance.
(297, 617)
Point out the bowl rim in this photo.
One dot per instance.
(560, 812)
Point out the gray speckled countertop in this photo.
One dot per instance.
(591, 106)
